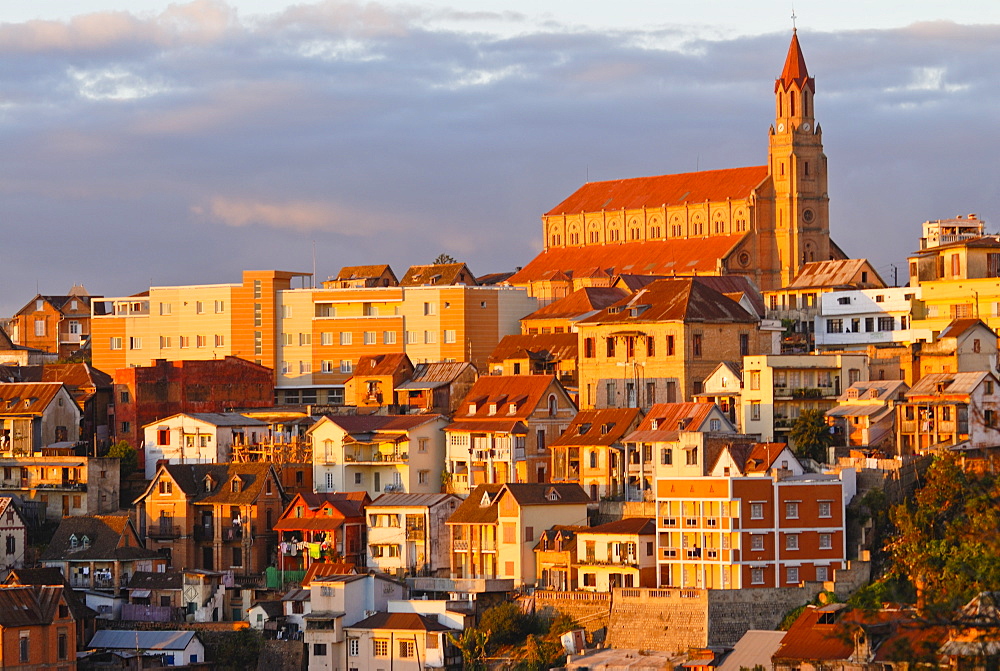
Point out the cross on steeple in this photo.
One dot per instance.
(794, 29)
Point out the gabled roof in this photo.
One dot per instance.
(643, 526)
(191, 479)
(434, 375)
(106, 539)
(364, 272)
(22, 606)
(473, 510)
(835, 274)
(959, 326)
(58, 302)
(663, 190)
(672, 418)
(606, 426)
(406, 500)
(679, 256)
(951, 384)
(216, 419)
(539, 346)
(580, 303)
(438, 274)
(382, 364)
(684, 300)
(887, 390)
(71, 374)
(545, 493)
(29, 399)
(524, 392)
(345, 508)
(365, 424)
(762, 457)
(406, 621)
(754, 647)
(326, 569)
(152, 580)
(815, 635)
(567, 532)
(50, 575)
(490, 279)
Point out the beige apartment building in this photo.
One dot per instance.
(311, 337)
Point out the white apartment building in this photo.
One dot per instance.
(858, 318)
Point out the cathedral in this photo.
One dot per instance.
(761, 222)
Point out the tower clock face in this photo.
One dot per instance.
(806, 126)
(808, 216)
(781, 128)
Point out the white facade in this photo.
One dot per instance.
(860, 317)
(406, 532)
(14, 535)
(197, 438)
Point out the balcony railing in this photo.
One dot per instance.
(164, 531)
(230, 534)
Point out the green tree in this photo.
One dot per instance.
(947, 539)
(473, 644)
(125, 453)
(506, 624)
(442, 259)
(810, 435)
(237, 650)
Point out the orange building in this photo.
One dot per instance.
(317, 528)
(56, 324)
(761, 222)
(37, 630)
(591, 452)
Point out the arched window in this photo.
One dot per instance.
(593, 458)
(553, 405)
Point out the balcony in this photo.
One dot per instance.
(361, 457)
(204, 532)
(231, 534)
(65, 485)
(459, 546)
(164, 531)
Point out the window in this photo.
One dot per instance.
(756, 511)
(430, 308)
(430, 337)
(11, 544)
(126, 427)
(792, 542)
(305, 367)
(40, 327)
(755, 411)
(286, 311)
(670, 345)
(370, 337)
(116, 343)
(825, 541)
(666, 456)
(792, 575)
(305, 339)
(822, 573)
(346, 366)
(326, 338)
(319, 649)
(792, 510)
(744, 344)
(201, 341)
(353, 647)
(529, 534)
(756, 576)
(825, 509)
(715, 425)
(609, 344)
(135, 343)
(612, 393)
(422, 477)
(199, 308)
(24, 646)
(886, 323)
(346, 338)
(589, 348)
(691, 457)
(834, 325)
(380, 647)
(327, 366)
(220, 341)
(388, 337)
(451, 336)
(696, 345)
(406, 649)
(258, 314)
(757, 542)
(220, 306)
(62, 646)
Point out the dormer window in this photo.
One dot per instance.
(472, 408)
(852, 393)
(654, 424)
(606, 428)
(74, 542)
(512, 409)
(552, 494)
(235, 485)
(485, 501)
(583, 428)
(85, 541)
(209, 483)
(493, 408)
(873, 393)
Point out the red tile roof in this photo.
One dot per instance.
(364, 272)
(684, 300)
(547, 346)
(811, 638)
(526, 391)
(27, 399)
(580, 303)
(377, 423)
(438, 274)
(671, 418)
(382, 364)
(836, 273)
(638, 192)
(681, 256)
(588, 427)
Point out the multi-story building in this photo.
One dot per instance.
(405, 533)
(591, 452)
(756, 519)
(37, 628)
(338, 602)
(945, 410)
(56, 324)
(65, 484)
(364, 277)
(376, 376)
(100, 553)
(197, 438)
(213, 516)
(943, 231)
(689, 430)
(14, 535)
(724, 387)
(378, 453)
(147, 393)
(555, 558)
(34, 415)
(778, 387)
(849, 320)
(402, 642)
(312, 338)
(436, 387)
(660, 343)
(617, 554)
(562, 315)
(798, 303)
(536, 354)
(865, 414)
(502, 431)
(492, 534)
(322, 527)
(964, 346)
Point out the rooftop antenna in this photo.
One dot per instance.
(313, 278)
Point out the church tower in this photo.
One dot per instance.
(798, 170)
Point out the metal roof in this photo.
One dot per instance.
(143, 640)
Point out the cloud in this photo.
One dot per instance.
(392, 134)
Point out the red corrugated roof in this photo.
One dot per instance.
(687, 256)
(579, 303)
(639, 192)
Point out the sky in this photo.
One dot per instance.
(154, 143)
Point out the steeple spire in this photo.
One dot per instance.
(795, 71)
